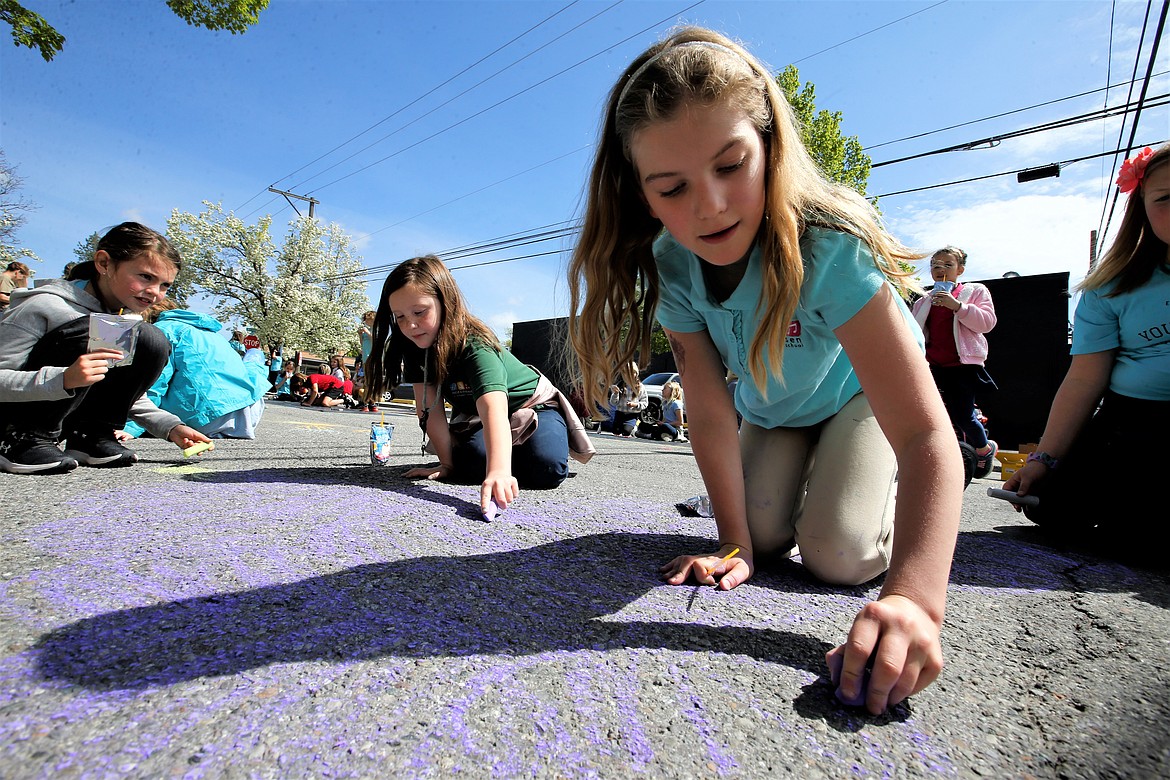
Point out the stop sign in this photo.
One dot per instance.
(251, 341)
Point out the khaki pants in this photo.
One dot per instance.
(828, 489)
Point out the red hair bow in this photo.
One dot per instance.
(1133, 169)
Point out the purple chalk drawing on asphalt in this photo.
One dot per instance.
(297, 603)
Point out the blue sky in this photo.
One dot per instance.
(429, 126)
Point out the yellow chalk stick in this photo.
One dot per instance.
(195, 449)
(722, 560)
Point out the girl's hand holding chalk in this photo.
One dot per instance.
(1015, 498)
(722, 561)
(196, 449)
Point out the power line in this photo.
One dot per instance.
(437, 87)
(995, 175)
(524, 237)
(870, 32)
(995, 140)
(426, 94)
(448, 102)
(1002, 114)
(508, 99)
(1104, 226)
(540, 234)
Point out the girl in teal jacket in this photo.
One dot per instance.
(205, 383)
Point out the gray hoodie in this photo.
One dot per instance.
(33, 313)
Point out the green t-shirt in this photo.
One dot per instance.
(476, 370)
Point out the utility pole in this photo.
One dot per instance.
(287, 195)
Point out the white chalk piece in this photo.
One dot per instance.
(1015, 498)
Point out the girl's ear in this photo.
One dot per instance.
(103, 261)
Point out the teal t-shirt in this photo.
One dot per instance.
(840, 277)
(476, 370)
(1137, 325)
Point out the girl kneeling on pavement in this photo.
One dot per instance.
(705, 207)
(54, 388)
(511, 427)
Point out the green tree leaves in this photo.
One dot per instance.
(235, 16)
(32, 30)
(840, 157)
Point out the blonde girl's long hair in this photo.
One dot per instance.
(1136, 252)
(456, 324)
(613, 280)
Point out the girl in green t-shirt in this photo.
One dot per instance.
(424, 334)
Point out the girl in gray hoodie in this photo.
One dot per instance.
(53, 387)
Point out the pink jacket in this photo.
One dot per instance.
(976, 316)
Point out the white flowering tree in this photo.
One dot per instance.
(306, 295)
(13, 211)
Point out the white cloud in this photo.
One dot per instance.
(1031, 234)
(501, 321)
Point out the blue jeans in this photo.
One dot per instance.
(540, 463)
(958, 386)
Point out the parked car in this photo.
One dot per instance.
(653, 385)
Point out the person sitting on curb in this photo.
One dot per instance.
(670, 417)
(628, 402)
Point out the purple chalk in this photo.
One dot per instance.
(493, 510)
(836, 661)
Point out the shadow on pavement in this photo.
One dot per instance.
(1024, 557)
(498, 603)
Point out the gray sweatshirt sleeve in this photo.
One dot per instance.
(160, 423)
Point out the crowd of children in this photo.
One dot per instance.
(705, 211)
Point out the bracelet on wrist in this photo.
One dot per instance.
(1045, 458)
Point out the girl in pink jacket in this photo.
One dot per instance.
(954, 316)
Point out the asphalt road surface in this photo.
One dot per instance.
(282, 608)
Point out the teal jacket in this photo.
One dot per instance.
(204, 378)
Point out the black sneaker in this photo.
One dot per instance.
(101, 451)
(984, 463)
(22, 454)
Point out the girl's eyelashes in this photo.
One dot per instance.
(722, 169)
(734, 166)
